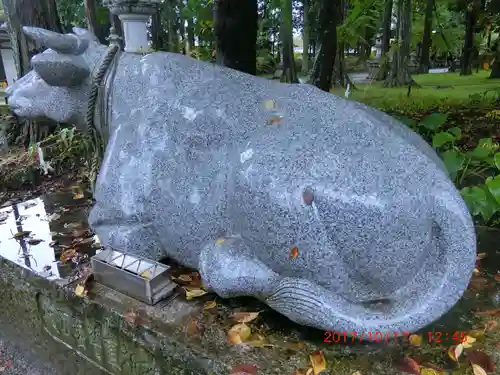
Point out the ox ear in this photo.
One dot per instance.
(68, 44)
(60, 70)
(85, 34)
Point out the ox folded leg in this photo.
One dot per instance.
(227, 268)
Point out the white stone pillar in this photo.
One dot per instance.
(9, 65)
(134, 16)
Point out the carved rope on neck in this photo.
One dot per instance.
(92, 107)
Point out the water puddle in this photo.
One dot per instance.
(35, 234)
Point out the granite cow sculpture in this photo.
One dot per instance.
(332, 213)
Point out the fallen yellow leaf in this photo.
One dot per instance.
(303, 371)
(318, 362)
(80, 291)
(429, 371)
(194, 293)
(219, 241)
(455, 351)
(475, 333)
(476, 271)
(244, 317)
(294, 253)
(257, 341)
(238, 334)
(478, 370)
(269, 104)
(468, 341)
(78, 196)
(415, 340)
(209, 305)
(68, 255)
(481, 256)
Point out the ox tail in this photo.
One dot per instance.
(435, 289)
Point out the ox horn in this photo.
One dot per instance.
(67, 44)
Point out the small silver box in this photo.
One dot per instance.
(139, 278)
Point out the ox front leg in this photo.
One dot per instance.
(228, 269)
(131, 234)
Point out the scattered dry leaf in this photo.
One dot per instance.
(303, 371)
(481, 359)
(294, 253)
(476, 271)
(244, 369)
(219, 241)
(468, 341)
(257, 341)
(68, 255)
(193, 328)
(481, 256)
(238, 334)
(455, 351)
(244, 317)
(269, 104)
(209, 305)
(475, 333)
(133, 317)
(194, 292)
(80, 291)
(490, 325)
(78, 196)
(494, 312)
(415, 340)
(318, 362)
(497, 277)
(274, 120)
(408, 365)
(34, 241)
(430, 371)
(478, 370)
(477, 283)
(22, 234)
(356, 373)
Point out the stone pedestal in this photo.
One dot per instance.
(134, 16)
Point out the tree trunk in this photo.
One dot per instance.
(495, 67)
(286, 34)
(426, 40)
(39, 13)
(90, 15)
(173, 38)
(158, 36)
(235, 29)
(386, 41)
(305, 38)
(190, 36)
(399, 74)
(470, 23)
(324, 62)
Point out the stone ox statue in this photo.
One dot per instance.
(332, 213)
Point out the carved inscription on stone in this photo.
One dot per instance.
(96, 341)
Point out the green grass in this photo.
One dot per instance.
(439, 91)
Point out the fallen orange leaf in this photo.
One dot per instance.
(238, 334)
(244, 317)
(68, 255)
(294, 253)
(78, 196)
(468, 341)
(318, 362)
(244, 369)
(408, 365)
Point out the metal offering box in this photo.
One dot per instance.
(139, 278)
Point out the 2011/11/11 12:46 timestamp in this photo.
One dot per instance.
(404, 337)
